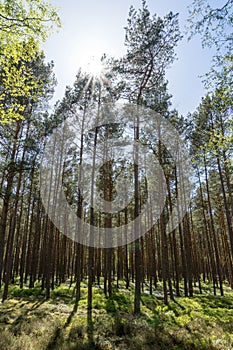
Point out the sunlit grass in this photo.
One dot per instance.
(28, 321)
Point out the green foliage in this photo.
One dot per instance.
(16, 291)
(214, 24)
(150, 42)
(23, 25)
(118, 301)
(62, 291)
(201, 322)
(20, 19)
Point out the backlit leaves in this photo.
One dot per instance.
(23, 26)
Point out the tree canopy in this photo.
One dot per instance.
(214, 24)
(23, 26)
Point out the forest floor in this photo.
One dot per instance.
(30, 322)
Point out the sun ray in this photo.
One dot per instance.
(97, 72)
(93, 67)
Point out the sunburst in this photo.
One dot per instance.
(97, 72)
(94, 67)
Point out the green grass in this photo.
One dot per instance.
(28, 321)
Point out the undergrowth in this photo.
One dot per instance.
(30, 322)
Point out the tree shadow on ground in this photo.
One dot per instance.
(58, 335)
(18, 320)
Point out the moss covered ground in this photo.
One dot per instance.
(30, 322)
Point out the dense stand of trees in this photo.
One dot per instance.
(198, 250)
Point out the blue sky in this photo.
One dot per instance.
(91, 28)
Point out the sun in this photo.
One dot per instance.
(94, 67)
(97, 72)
